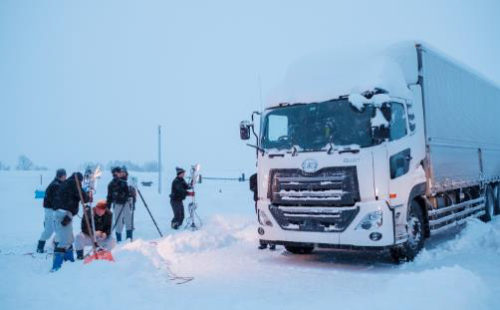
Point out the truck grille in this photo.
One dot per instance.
(334, 186)
(320, 219)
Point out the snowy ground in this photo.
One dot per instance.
(451, 273)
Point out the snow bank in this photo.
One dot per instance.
(218, 233)
(228, 270)
(441, 288)
(328, 75)
(477, 238)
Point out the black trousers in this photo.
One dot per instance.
(178, 209)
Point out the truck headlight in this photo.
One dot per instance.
(371, 219)
(264, 219)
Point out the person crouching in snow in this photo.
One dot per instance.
(102, 223)
(179, 192)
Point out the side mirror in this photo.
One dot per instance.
(245, 127)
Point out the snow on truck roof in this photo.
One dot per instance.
(329, 75)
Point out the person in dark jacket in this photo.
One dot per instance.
(254, 189)
(180, 189)
(49, 207)
(67, 204)
(118, 195)
(103, 219)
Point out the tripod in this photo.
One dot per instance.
(193, 221)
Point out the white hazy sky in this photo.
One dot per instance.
(90, 81)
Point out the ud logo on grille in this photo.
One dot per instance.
(310, 166)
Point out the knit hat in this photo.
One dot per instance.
(179, 170)
(60, 173)
(101, 204)
(78, 175)
(115, 170)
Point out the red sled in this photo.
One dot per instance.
(100, 254)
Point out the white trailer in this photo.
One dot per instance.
(380, 153)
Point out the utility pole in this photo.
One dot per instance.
(159, 159)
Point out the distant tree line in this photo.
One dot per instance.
(26, 164)
(4, 167)
(151, 166)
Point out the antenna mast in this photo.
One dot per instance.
(159, 159)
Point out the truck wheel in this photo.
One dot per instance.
(299, 249)
(416, 235)
(489, 205)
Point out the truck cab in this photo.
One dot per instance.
(337, 173)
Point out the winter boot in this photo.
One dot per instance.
(41, 245)
(58, 259)
(129, 234)
(79, 254)
(118, 237)
(68, 255)
(272, 247)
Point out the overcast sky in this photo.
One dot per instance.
(91, 81)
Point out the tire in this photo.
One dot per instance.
(415, 226)
(299, 249)
(489, 205)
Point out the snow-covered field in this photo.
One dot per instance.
(460, 272)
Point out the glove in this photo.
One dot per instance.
(190, 194)
(66, 220)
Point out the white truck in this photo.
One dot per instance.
(378, 155)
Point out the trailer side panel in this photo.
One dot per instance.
(462, 126)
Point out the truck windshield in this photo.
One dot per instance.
(314, 126)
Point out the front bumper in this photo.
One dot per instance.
(352, 235)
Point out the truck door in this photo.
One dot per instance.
(400, 154)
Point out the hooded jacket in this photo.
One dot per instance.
(49, 201)
(67, 197)
(118, 192)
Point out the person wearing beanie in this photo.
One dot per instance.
(103, 219)
(178, 194)
(49, 208)
(67, 204)
(115, 171)
(118, 194)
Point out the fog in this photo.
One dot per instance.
(91, 81)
